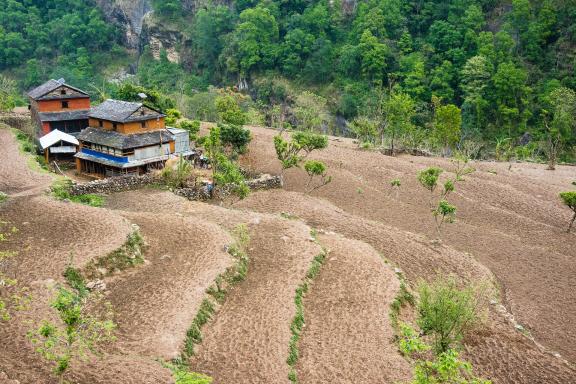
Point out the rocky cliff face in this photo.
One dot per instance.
(129, 15)
(141, 28)
(135, 18)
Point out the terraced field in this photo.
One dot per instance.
(509, 231)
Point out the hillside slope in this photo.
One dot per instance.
(509, 228)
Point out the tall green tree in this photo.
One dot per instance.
(476, 76)
(447, 125)
(398, 111)
(373, 56)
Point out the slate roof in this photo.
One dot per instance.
(56, 136)
(50, 86)
(119, 141)
(81, 114)
(121, 111)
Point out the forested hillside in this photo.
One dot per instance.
(427, 72)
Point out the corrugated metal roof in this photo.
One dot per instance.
(121, 111)
(131, 164)
(50, 86)
(119, 141)
(80, 114)
(56, 136)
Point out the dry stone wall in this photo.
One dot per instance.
(112, 185)
(127, 183)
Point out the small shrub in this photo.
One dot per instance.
(3, 197)
(316, 169)
(192, 126)
(429, 178)
(410, 342)
(75, 335)
(447, 313)
(76, 280)
(447, 368)
(26, 145)
(442, 210)
(569, 199)
(176, 173)
(395, 185)
(366, 146)
(402, 298)
(61, 189)
(183, 376)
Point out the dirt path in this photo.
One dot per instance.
(15, 173)
(156, 303)
(348, 337)
(248, 340)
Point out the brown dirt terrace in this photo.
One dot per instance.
(510, 229)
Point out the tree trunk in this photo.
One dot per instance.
(571, 223)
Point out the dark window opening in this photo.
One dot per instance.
(71, 126)
(100, 123)
(62, 91)
(114, 126)
(143, 124)
(64, 104)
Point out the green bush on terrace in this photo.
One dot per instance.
(61, 191)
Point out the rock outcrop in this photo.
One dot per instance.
(128, 15)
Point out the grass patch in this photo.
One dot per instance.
(3, 197)
(182, 375)
(128, 255)
(289, 216)
(92, 200)
(75, 279)
(218, 290)
(27, 146)
(61, 191)
(403, 298)
(298, 320)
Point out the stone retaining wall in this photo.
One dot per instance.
(19, 121)
(195, 194)
(127, 183)
(112, 185)
(265, 182)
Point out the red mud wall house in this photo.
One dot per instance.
(57, 105)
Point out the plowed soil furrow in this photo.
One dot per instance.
(155, 304)
(419, 259)
(248, 340)
(348, 338)
(51, 233)
(122, 369)
(414, 254)
(511, 221)
(510, 358)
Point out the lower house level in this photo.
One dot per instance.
(106, 153)
(71, 122)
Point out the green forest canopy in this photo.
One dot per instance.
(497, 61)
